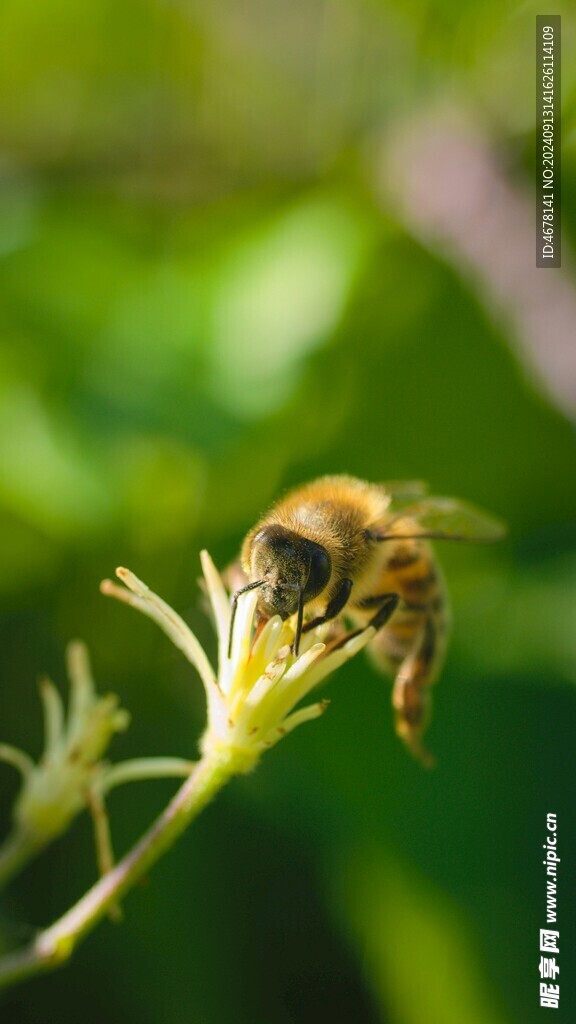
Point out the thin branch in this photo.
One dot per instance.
(55, 945)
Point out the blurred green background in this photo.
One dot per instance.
(209, 294)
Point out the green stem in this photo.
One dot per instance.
(55, 945)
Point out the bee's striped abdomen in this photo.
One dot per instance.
(412, 644)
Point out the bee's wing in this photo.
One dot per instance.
(440, 519)
(402, 491)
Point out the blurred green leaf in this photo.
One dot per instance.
(418, 948)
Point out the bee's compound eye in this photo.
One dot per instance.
(320, 570)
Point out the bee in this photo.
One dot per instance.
(341, 548)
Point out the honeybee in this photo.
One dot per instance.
(340, 547)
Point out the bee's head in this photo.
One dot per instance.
(292, 569)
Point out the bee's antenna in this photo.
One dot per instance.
(249, 586)
(300, 617)
(299, 621)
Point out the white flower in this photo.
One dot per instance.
(56, 788)
(71, 773)
(252, 701)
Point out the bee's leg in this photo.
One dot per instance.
(387, 604)
(334, 607)
(411, 697)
